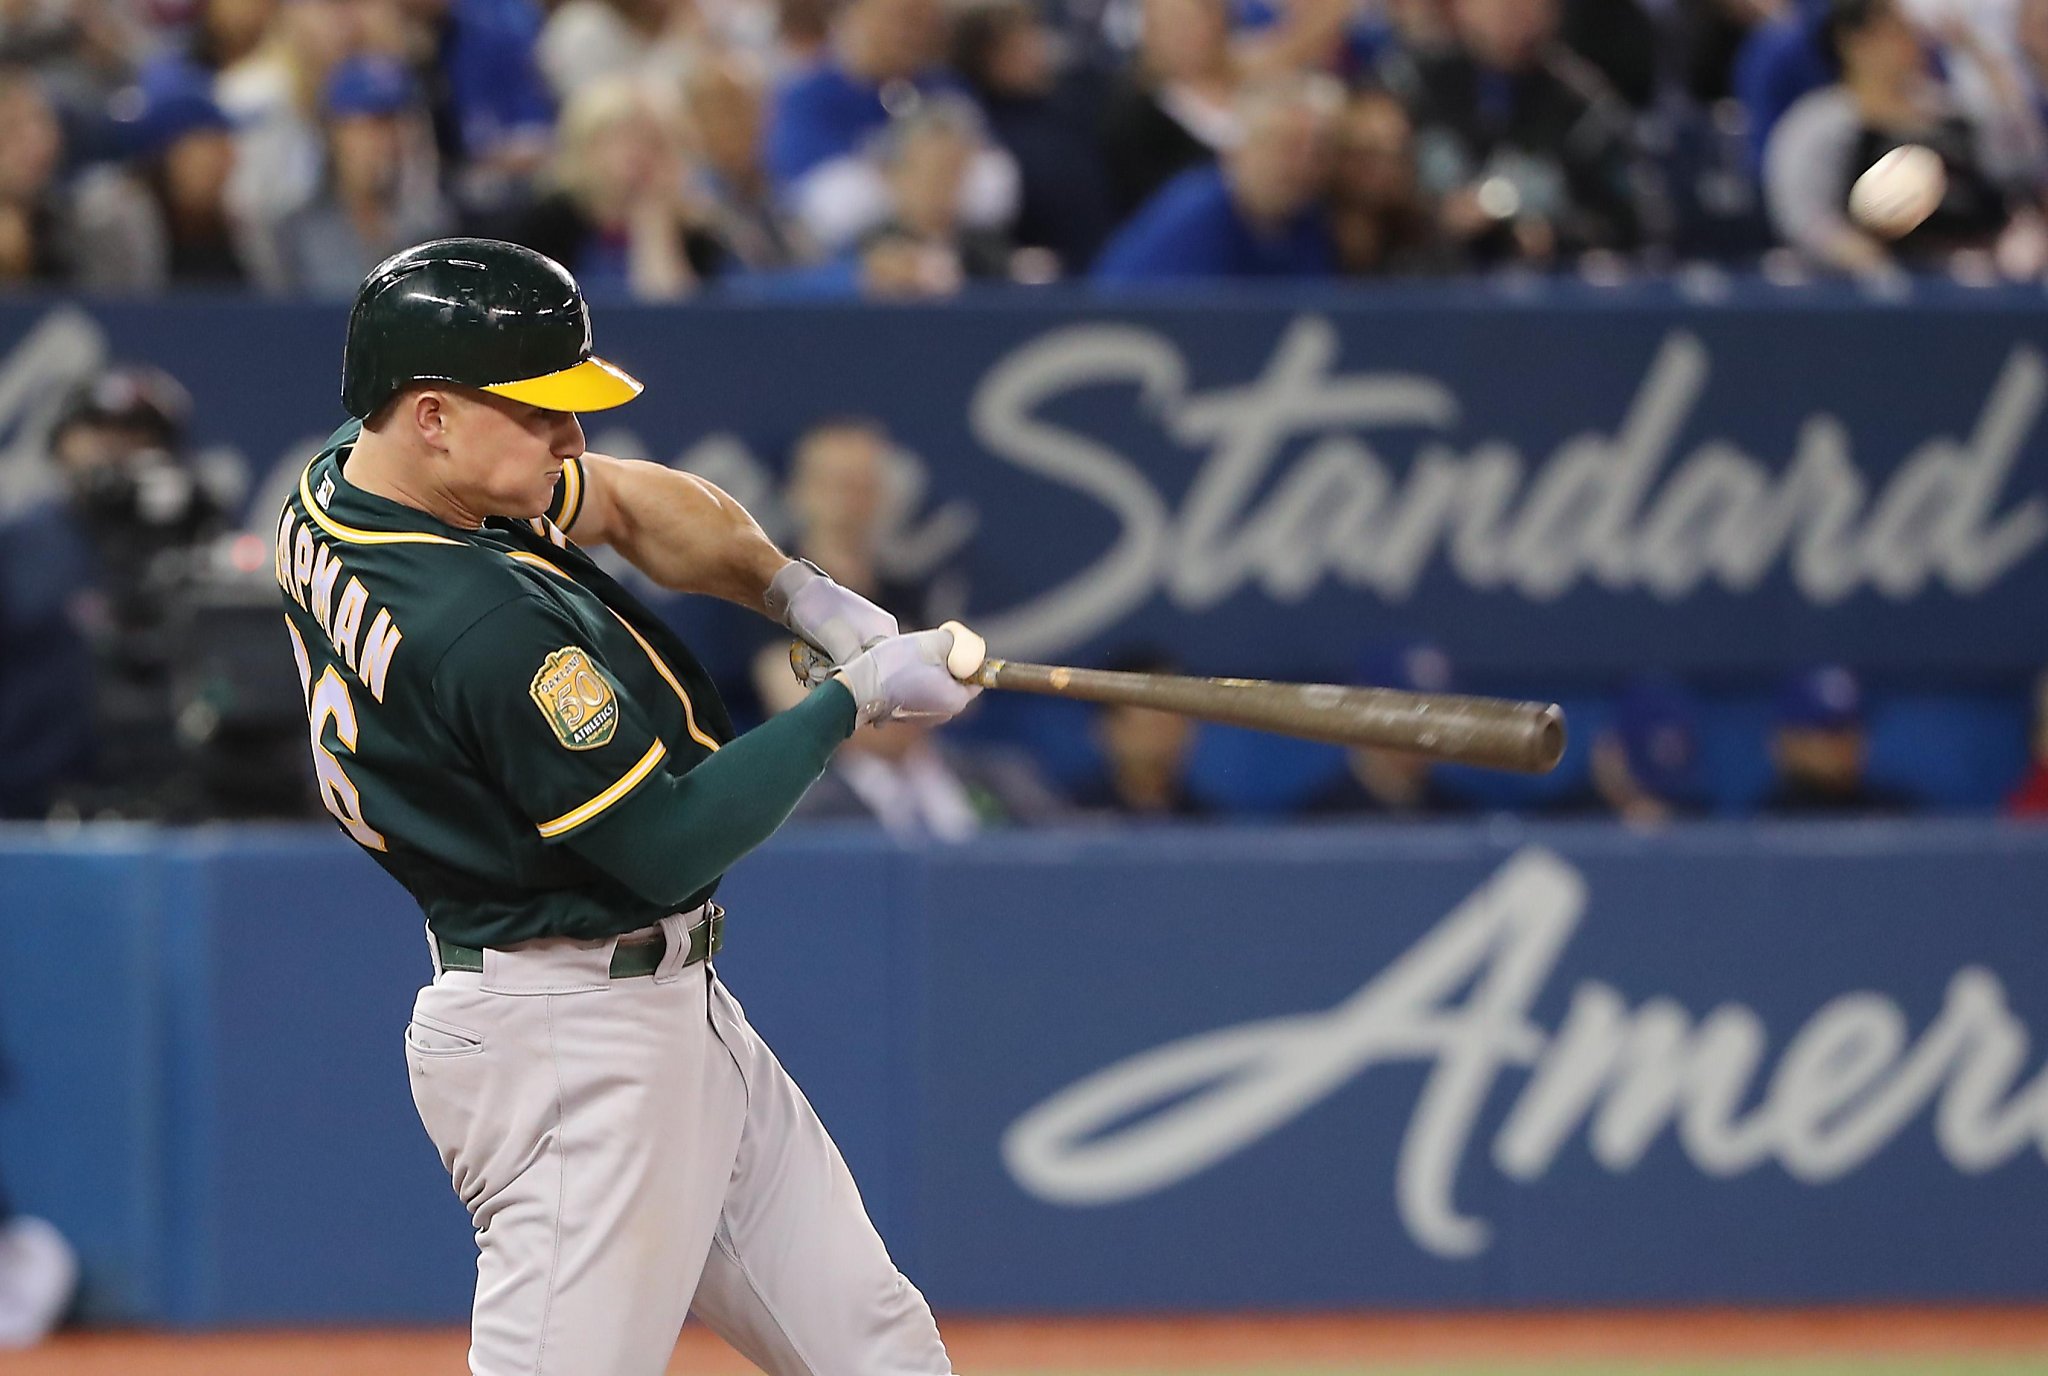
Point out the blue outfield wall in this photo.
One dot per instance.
(1472, 1065)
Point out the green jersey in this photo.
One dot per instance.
(478, 696)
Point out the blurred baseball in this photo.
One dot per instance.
(1901, 189)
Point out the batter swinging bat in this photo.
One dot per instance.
(1495, 733)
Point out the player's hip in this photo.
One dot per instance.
(567, 965)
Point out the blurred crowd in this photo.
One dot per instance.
(904, 148)
(142, 678)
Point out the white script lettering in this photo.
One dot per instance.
(1459, 1001)
(1618, 510)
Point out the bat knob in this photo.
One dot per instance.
(809, 663)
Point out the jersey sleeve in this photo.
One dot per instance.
(568, 503)
(530, 701)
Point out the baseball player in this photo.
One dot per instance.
(545, 767)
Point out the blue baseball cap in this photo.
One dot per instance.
(369, 86)
(1416, 666)
(1828, 697)
(1657, 721)
(171, 100)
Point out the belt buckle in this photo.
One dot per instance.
(714, 930)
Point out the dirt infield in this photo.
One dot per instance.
(1182, 1344)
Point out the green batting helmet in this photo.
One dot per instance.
(481, 312)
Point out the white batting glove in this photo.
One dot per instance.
(836, 619)
(905, 678)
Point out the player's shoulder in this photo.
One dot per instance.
(341, 551)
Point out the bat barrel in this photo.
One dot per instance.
(1495, 733)
(1526, 737)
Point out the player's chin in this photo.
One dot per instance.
(525, 505)
(533, 499)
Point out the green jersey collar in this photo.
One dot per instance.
(353, 516)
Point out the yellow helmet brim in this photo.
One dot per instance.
(592, 385)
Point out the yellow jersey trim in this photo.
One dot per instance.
(697, 734)
(540, 563)
(572, 495)
(351, 534)
(576, 817)
(689, 712)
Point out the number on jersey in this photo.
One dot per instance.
(329, 700)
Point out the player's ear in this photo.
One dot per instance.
(430, 416)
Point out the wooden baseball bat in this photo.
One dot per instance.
(1495, 733)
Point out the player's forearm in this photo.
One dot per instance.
(678, 529)
(675, 835)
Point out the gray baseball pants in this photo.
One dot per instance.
(629, 1151)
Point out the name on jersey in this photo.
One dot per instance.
(309, 570)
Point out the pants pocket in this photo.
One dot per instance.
(429, 1036)
(451, 1076)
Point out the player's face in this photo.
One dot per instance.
(505, 457)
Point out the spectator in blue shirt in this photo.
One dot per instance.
(1820, 748)
(1646, 764)
(1175, 105)
(1780, 61)
(884, 61)
(1261, 213)
(492, 116)
(1644, 767)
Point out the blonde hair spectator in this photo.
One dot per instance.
(620, 213)
(611, 138)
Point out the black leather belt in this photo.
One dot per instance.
(629, 958)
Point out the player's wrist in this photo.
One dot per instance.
(825, 614)
(780, 595)
(862, 677)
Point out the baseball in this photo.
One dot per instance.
(1901, 189)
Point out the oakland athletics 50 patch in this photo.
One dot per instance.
(579, 705)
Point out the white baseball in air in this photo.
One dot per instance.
(1901, 189)
(963, 661)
